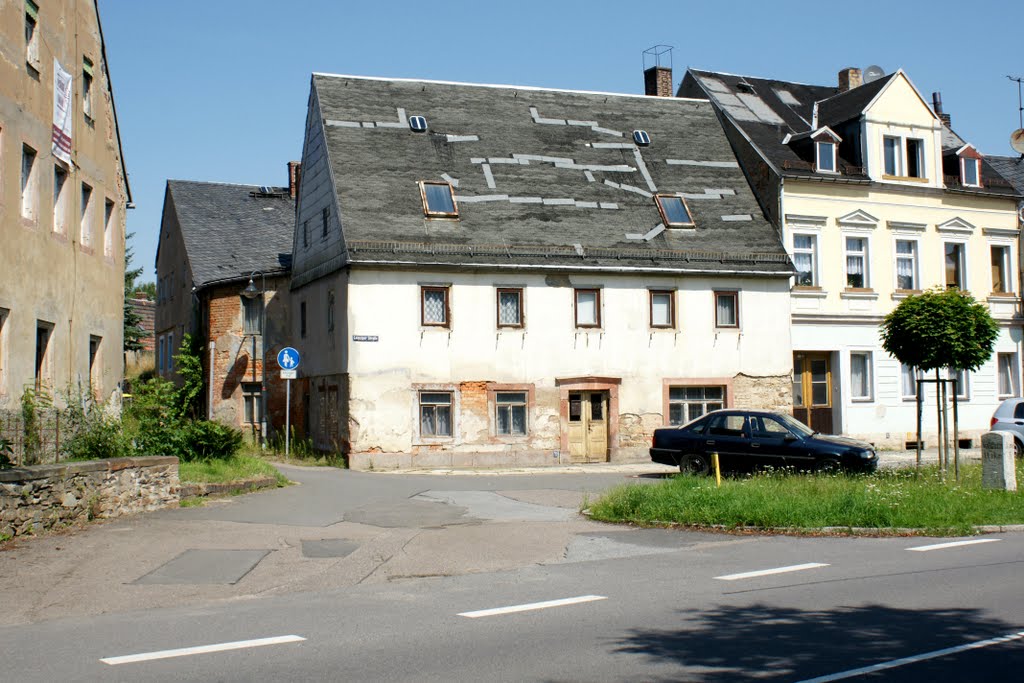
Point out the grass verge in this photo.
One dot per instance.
(886, 500)
(229, 469)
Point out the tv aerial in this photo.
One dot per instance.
(1017, 136)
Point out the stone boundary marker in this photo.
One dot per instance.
(998, 469)
(43, 496)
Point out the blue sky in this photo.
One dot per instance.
(216, 90)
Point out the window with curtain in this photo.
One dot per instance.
(908, 381)
(251, 310)
(954, 265)
(1008, 381)
(436, 413)
(804, 257)
(860, 375)
(1000, 270)
(906, 265)
(856, 262)
(510, 307)
(662, 309)
(588, 308)
(727, 309)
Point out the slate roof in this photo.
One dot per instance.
(544, 178)
(228, 232)
(768, 109)
(1011, 168)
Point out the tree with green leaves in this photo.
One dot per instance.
(133, 332)
(940, 328)
(189, 364)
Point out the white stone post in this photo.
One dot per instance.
(998, 469)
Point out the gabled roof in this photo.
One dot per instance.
(542, 178)
(849, 105)
(228, 232)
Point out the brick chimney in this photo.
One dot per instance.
(294, 178)
(850, 78)
(658, 81)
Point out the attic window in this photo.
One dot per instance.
(674, 211)
(641, 138)
(438, 200)
(743, 86)
(418, 124)
(825, 156)
(969, 175)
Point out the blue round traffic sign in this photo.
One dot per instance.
(288, 358)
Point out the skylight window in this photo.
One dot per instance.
(438, 200)
(674, 211)
(641, 138)
(418, 124)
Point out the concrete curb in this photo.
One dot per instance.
(212, 489)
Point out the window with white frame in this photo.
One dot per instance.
(963, 379)
(906, 265)
(29, 202)
(908, 381)
(587, 303)
(805, 257)
(892, 151)
(954, 265)
(903, 157)
(1009, 380)
(663, 308)
(970, 172)
(861, 372)
(857, 263)
(251, 395)
(510, 413)
(825, 156)
(1000, 262)
(915, 158)
(689, 403)
(435, 413)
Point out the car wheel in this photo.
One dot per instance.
(829, 466)
(695, 464)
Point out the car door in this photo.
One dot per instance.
(728, 435)
(769, 445)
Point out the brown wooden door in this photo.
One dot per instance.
(588, 426)
(812, 390)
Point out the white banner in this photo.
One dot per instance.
(61, 113)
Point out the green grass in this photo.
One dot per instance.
(229, 469)
(886, 500)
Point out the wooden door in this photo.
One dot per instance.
(588, 426)
(812, 390)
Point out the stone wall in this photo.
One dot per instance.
(763, 393)
(43, 496)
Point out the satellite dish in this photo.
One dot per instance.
(1017, 140)
(873, 73)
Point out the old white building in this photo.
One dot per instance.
(504, 274)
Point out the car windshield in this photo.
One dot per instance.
(796, 425)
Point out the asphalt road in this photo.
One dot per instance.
(608, 604)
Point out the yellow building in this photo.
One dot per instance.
(876, 198)
(63, 194)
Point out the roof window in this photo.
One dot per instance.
(438, 200)
(418, 124)
(641, 138)
(674, 211)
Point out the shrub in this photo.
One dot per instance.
(208, 440)
(91, 433)
(6, 451)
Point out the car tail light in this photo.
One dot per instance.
(993, 423)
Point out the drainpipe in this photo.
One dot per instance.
(209, 406)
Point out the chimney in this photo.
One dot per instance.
(850, 78)
(937, 106)
(294, 178)
(658, 75)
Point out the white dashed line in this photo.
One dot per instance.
(852, 673)
(953, 544)
(531, 606)
(201, 649)
(769, 572)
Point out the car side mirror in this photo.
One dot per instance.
(789, 437)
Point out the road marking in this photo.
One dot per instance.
(916, 658)
(769, 572)
(201, 649)
(531, 606)
(954, 544)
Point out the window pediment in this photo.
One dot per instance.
(858, 219)
(956, 226)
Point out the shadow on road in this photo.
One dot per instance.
(761, 642)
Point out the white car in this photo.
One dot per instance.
(1009, 417)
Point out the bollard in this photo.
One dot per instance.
(718, 469)
(998, 469)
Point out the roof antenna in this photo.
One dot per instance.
(1017, 136)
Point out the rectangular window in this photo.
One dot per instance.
(892, 152)
(87, 88)
(675, 213)
(805, 258)
(108, 227)
(28, 185)
(252, 310)
(962, 378)
(436, 413)
(1001, 270)
(510, 307)
(325, 221)
(438, 200)
(434, 308)
(60, 179)
(302, 320)
(826, 157)
(86, 238)
(305, 233)
(954, 262)
(1009, 381)
(969, 174)
(860, 375)
(171, 352)
(44, 331)
(510, 413)
(330, 310)
(906, 265)
(252, 403)
(94, 366)
(915, 158)
(663, 308)
(908, 381)
(727, 309)
(588, 307)
(32, 34)
(160, 355)
(688, 403)
(856, 263)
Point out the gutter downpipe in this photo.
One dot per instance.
(209, 406)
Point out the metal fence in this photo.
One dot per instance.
(35, 446)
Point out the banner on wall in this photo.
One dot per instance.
(61, 113)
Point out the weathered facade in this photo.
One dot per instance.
(62, 213)
(876, 198)
(501, 274)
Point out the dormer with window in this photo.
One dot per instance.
(962, 167)
(825, 144)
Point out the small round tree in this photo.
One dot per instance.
(940, 328)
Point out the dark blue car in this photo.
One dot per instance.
(751, 439)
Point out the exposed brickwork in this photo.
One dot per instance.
(763, 393)
(473, 416)
(658, 81)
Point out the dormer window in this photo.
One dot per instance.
(903, 157)
(970, 174)
(674, 211)
(438, 200)
(825, 156)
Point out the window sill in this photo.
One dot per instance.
(1002, 296)
(858, 293)
(808, 292)
(862, 401)
(904, 293)
(904, 178)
